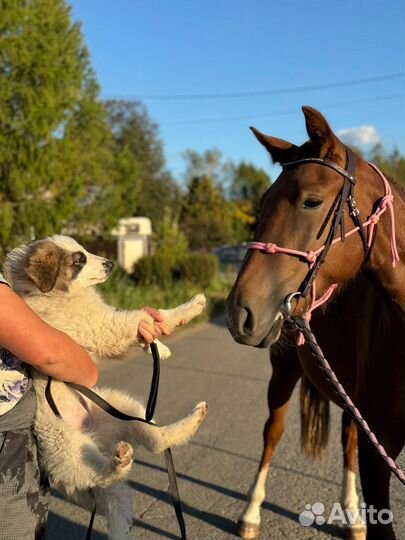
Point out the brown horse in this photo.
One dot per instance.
(296, 212)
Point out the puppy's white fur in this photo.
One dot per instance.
(89, 449)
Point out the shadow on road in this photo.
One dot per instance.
(61, 528)
(255, 460)
(220, 522)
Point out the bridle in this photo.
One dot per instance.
(345, 196)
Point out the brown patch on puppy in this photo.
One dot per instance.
(43, 264)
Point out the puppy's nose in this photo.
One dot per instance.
(108, 265)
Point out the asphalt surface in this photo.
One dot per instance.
(216, 469)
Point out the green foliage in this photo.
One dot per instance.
(206, 215)
(171, 243)
(248, 183)
(137, 136)
(247, 186)
(392, 164)
(122, 292)
(57, 166)
(195, 268)
(199, 269)
(154, 269)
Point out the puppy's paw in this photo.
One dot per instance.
(198, 302)
(200, 411)
(123, 455)
(191, 309)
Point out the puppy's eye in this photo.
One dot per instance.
(79, 258)
(312, 204)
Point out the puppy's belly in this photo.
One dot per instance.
(74, 411)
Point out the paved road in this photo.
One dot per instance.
(217, 467)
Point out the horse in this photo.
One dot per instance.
(304, 210)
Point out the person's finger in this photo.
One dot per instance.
(154, 313)
(148, 332)
(164, 328)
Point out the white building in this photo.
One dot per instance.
(134, 240)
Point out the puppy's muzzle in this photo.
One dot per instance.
(108, 265)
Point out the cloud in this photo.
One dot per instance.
(360, 136)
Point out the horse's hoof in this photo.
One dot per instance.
(247, 530)
(356, 533)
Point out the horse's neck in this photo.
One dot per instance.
(392, 279)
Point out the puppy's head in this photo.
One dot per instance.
(55, 264)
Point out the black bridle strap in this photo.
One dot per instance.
(346, 195)
(150, 410)
(327, 163)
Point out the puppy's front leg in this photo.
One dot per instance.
(120, 327)
(185, 312)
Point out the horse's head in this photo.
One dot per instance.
(296, 213)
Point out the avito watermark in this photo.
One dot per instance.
(315, 513)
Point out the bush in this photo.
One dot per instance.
(156, 269)
(198, 269)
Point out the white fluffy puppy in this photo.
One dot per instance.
(89, 449)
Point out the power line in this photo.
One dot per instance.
(278, 113)
(260, 93)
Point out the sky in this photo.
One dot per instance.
(207, 70)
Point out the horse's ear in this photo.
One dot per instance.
(280, 151)
(318, 128)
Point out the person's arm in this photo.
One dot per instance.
(48, 350)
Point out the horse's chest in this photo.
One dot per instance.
(344, 366)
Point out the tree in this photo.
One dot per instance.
(56, 157)
(206, 217)
(136, 134)
(247, 186)
(392, 164)
(249, 183)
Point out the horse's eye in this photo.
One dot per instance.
(312, 204)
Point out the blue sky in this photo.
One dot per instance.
(144, 49)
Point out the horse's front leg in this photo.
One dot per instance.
(356, 529)
(286, 373)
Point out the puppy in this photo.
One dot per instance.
(88, 449)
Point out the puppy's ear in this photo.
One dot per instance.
(43, 264)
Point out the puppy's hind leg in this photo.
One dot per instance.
(155, 438)
(158, 438)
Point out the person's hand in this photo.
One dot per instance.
(151, 331)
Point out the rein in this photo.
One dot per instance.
(150, 410)
(315, 260)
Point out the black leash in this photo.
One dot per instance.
(150, 410)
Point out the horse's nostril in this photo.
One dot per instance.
(249, 322)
